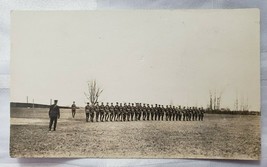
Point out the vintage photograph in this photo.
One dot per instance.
(135, 84)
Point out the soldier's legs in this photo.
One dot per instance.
(92, 117)
(51, 122)
(55, 123)
(86, 117)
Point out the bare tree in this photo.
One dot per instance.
(93, 92)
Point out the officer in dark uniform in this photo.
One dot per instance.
(102, 110)
(87, 112)
(120, 112)
(54, 114)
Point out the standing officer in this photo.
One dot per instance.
(54, 114)
(73, 109)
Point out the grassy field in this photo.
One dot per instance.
(217, 137)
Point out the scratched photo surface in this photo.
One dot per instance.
(135, 84)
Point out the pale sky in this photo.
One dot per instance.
(149, 56)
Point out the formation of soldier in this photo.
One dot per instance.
(138, 112)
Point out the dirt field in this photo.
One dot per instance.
(218, 136)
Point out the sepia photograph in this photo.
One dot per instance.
(135, 84)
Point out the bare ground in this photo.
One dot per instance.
(217, 137)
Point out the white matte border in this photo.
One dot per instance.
(8, 5)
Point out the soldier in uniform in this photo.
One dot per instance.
(106, 112)
(202, 111)
(128, 111)
(102, 110)
(196, 113)
(184, 113)
(117, 110)
(87, 111)
(54, 115)
(92, 113)
(167, 113)
(176, 113)
(173, 113)
(179, 113)
(139, 112)
(97, 111)
(152, 112)
(190, 113)
(159, 112)
(73, 109)
(121, 112)
(112, 112)
(132, 112)
(144, 112)
(156, 112)
(148, 111)
(136, 112)
(162, 112)
(170, 112)
(124, 112)
(193, 113)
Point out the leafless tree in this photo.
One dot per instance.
(93, 92)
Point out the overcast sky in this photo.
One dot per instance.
(150, 56)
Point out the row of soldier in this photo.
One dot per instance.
(145, 112)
